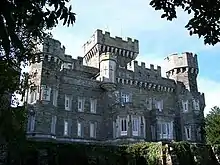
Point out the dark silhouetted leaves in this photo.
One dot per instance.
(205, 21)
(212, 127)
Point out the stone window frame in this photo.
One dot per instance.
(188, 132)
(45, 93)
(55, 96)
(33, 95)
(125, 97)
(196, 105)
(159, 105)
(80, 101)
(93, 105)
(165, 129)
(149, 103)
(53, 124)
(92, 129)
(67, 102)
(31, 123)
(136, 125)
(123, 126)
(66, 128)
(185, 105)
(79, 129)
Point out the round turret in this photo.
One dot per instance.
(184, 68)
(107, 70)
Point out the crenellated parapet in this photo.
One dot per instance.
(100, 42)
(184, 68)
(180, 63)
(136, 67)
(147, 85)
(52, 46)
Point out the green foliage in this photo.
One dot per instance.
(23, 25)
(94, 154)
(205, 16)
(183, 152)
(212, 126)
(150, 151)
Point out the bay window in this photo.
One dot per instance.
(165, 130)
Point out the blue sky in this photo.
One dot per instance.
(157, 37)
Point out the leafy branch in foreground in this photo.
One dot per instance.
(205, 21)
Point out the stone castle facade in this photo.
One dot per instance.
(107, 97)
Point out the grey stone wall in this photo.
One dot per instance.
(139, 81)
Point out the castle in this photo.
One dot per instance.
(107, 97)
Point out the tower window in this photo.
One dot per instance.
(185, 105)
(45, 93)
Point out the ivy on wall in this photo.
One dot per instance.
(145, 153)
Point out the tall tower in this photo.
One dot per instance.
(125, 50)
(184, 68)
(107, 53)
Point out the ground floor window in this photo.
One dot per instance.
(165, 130)
(188, 132)
(135, 126)
(124, 126)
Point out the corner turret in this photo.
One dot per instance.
(184, 68)
(108, 63)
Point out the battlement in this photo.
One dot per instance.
(52, 46)
(183, 60)
(104, 39)
(135, 66)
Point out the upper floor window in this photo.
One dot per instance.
(81, 104)
(55, 96)
(93, 103)
(32, 95)
(125, 98)
(67, 102)
(188, 132)
(159, 105)
(185, 105)
(149, 103)
(196, 104)
(45, 92)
